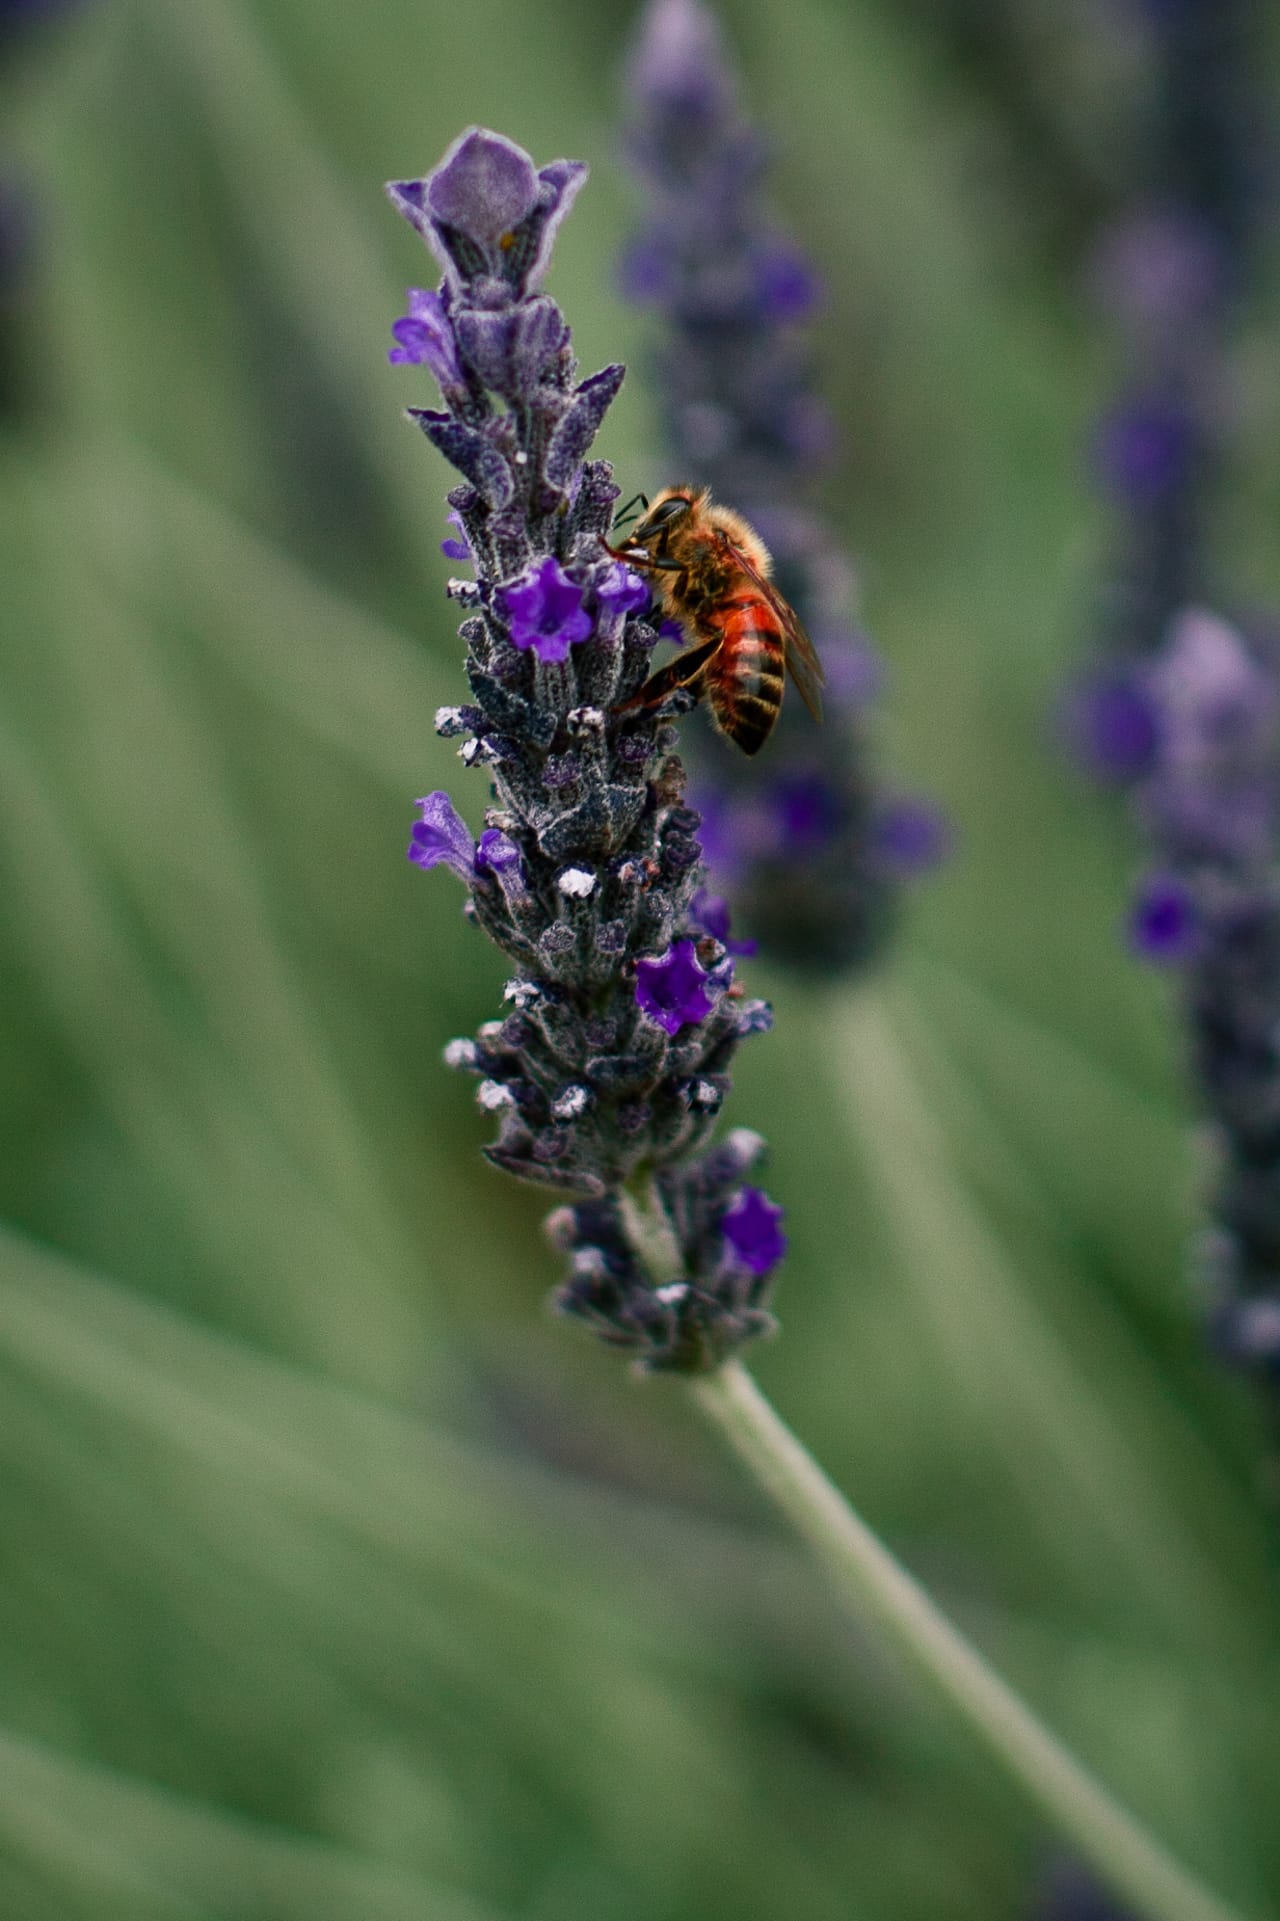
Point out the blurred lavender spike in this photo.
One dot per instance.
(1210, 911)
(608, 1073)
(1168, 274)
(810, 849)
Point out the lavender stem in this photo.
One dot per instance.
(872, 1582)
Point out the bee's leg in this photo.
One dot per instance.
(624, 514)
(684, 672)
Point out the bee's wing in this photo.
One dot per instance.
(802, 659)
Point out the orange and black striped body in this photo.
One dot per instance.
(711, 571)
(744, 677)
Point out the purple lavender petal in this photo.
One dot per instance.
(497, 854)
(544, 611)
(425, 338)
(752, 1229)
(441, 838)
(622, 591)
(672, 990)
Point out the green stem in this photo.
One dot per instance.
(867, 1575)
(650, 1232)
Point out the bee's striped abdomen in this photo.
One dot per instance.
(744, 677)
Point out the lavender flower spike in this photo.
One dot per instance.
(807, 846)
(1210, 911)
(609, 1071)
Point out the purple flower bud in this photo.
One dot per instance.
(456, 549)
(673, 990)
(804, 812)
(644, 272)
(440, 838)
(1215, 701)
(1112, 725)
(752, 1229)
(1145, 450)
(544, 611)
(1164, 926)
(485, 187)
(910, 836)
(786, 286)
(679, 61)
(426, 339)
(1158, 269)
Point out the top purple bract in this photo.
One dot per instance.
(805, 841)
(609, 1070)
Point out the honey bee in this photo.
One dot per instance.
(711, 571)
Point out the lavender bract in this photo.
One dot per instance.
(610, 1068)
(798, 839)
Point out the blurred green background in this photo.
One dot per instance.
(339, 1583)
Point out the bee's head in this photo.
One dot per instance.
(664, 518)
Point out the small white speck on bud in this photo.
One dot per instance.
(449, 723)
(461, 1055)
(492, 1095)
(673, 1291)
(575, 883)
(477, 753)
(573, 1102)
(465, 592)
(521, 458)
(490, 1032)
(522, 993)
(746, 1144)
(585, 720)
(560, 1228)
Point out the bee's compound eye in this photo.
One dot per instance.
(665, 514)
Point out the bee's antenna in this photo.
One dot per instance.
(638, 504)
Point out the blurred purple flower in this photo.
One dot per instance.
(1144, 450)
(1164, 924)
(752, 1229)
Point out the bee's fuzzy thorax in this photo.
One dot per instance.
(741, 533)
